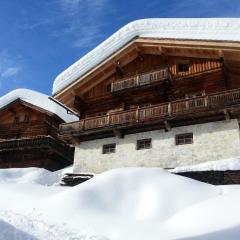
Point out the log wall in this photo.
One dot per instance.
(204, 76)
(19, 121)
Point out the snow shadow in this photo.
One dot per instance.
(231, 234)
(9, 232)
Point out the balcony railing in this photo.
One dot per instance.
(37, 142)
(161, 111)
(140, 80)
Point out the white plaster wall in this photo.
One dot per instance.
(211, 141)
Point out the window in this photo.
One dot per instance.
(144, 144)
(186, 138)
(109, 87)
(194, 95)
(183, 67)
(26, 118)
(109, 148)
(16, 120)
(145, 105)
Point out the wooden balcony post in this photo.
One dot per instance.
(169, 109)
(206, 101)
(83, 124)
(137, 80)
(108, 118)
(137, 114)
(112, 87)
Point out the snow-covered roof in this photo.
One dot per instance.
(37, 99)
(227, 29)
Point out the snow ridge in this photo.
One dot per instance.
(197, 29)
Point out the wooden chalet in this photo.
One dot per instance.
(148, 84)
(29, 132)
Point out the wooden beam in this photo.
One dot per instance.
(75, 141)
(226, 115)
(140, 53)
(117, 133)
(167, 126)
(119, 68)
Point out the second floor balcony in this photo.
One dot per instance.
(146, 79)
(197, 107)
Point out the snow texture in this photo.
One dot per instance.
(221, 165)
(37, 99)
(196, 29)
(127, 203)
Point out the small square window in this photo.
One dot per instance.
(26, 118)
(186, 138)
(109, 87)
(183, 67)
(16, 120)
(144, 144)
(109, 148)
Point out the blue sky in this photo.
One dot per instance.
(40, 38)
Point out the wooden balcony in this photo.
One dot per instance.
(162, 112)
(150, 78)
(40, 151)
(36, 142)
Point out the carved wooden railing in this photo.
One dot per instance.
(160, 111)
(140, 80)
(37, 142)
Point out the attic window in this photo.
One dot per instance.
(26, 118)
(183, 67)
(109, 87)
(16, 120)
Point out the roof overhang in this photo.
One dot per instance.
(224, 33)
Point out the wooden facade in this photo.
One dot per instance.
(29, 138)
(152, 84)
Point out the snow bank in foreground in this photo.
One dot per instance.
(221, 165)
(129, 204)
(29, 175)
(8, 232)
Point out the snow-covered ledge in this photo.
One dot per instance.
(197, 29)
(220, 165)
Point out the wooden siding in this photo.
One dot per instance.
(195, 66)
(44, 152)
(20, 121)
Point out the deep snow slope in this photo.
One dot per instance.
(127, 203)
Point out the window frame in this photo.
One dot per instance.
(183, 64)
(184, 138)
(109, 148)
(109, 88)
(143, 143)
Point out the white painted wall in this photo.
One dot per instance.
(212, 141)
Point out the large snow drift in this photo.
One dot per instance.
(37, 99)
(130, 203)
(197, 29)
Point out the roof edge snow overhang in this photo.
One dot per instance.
(36, 100)
(213, 29)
